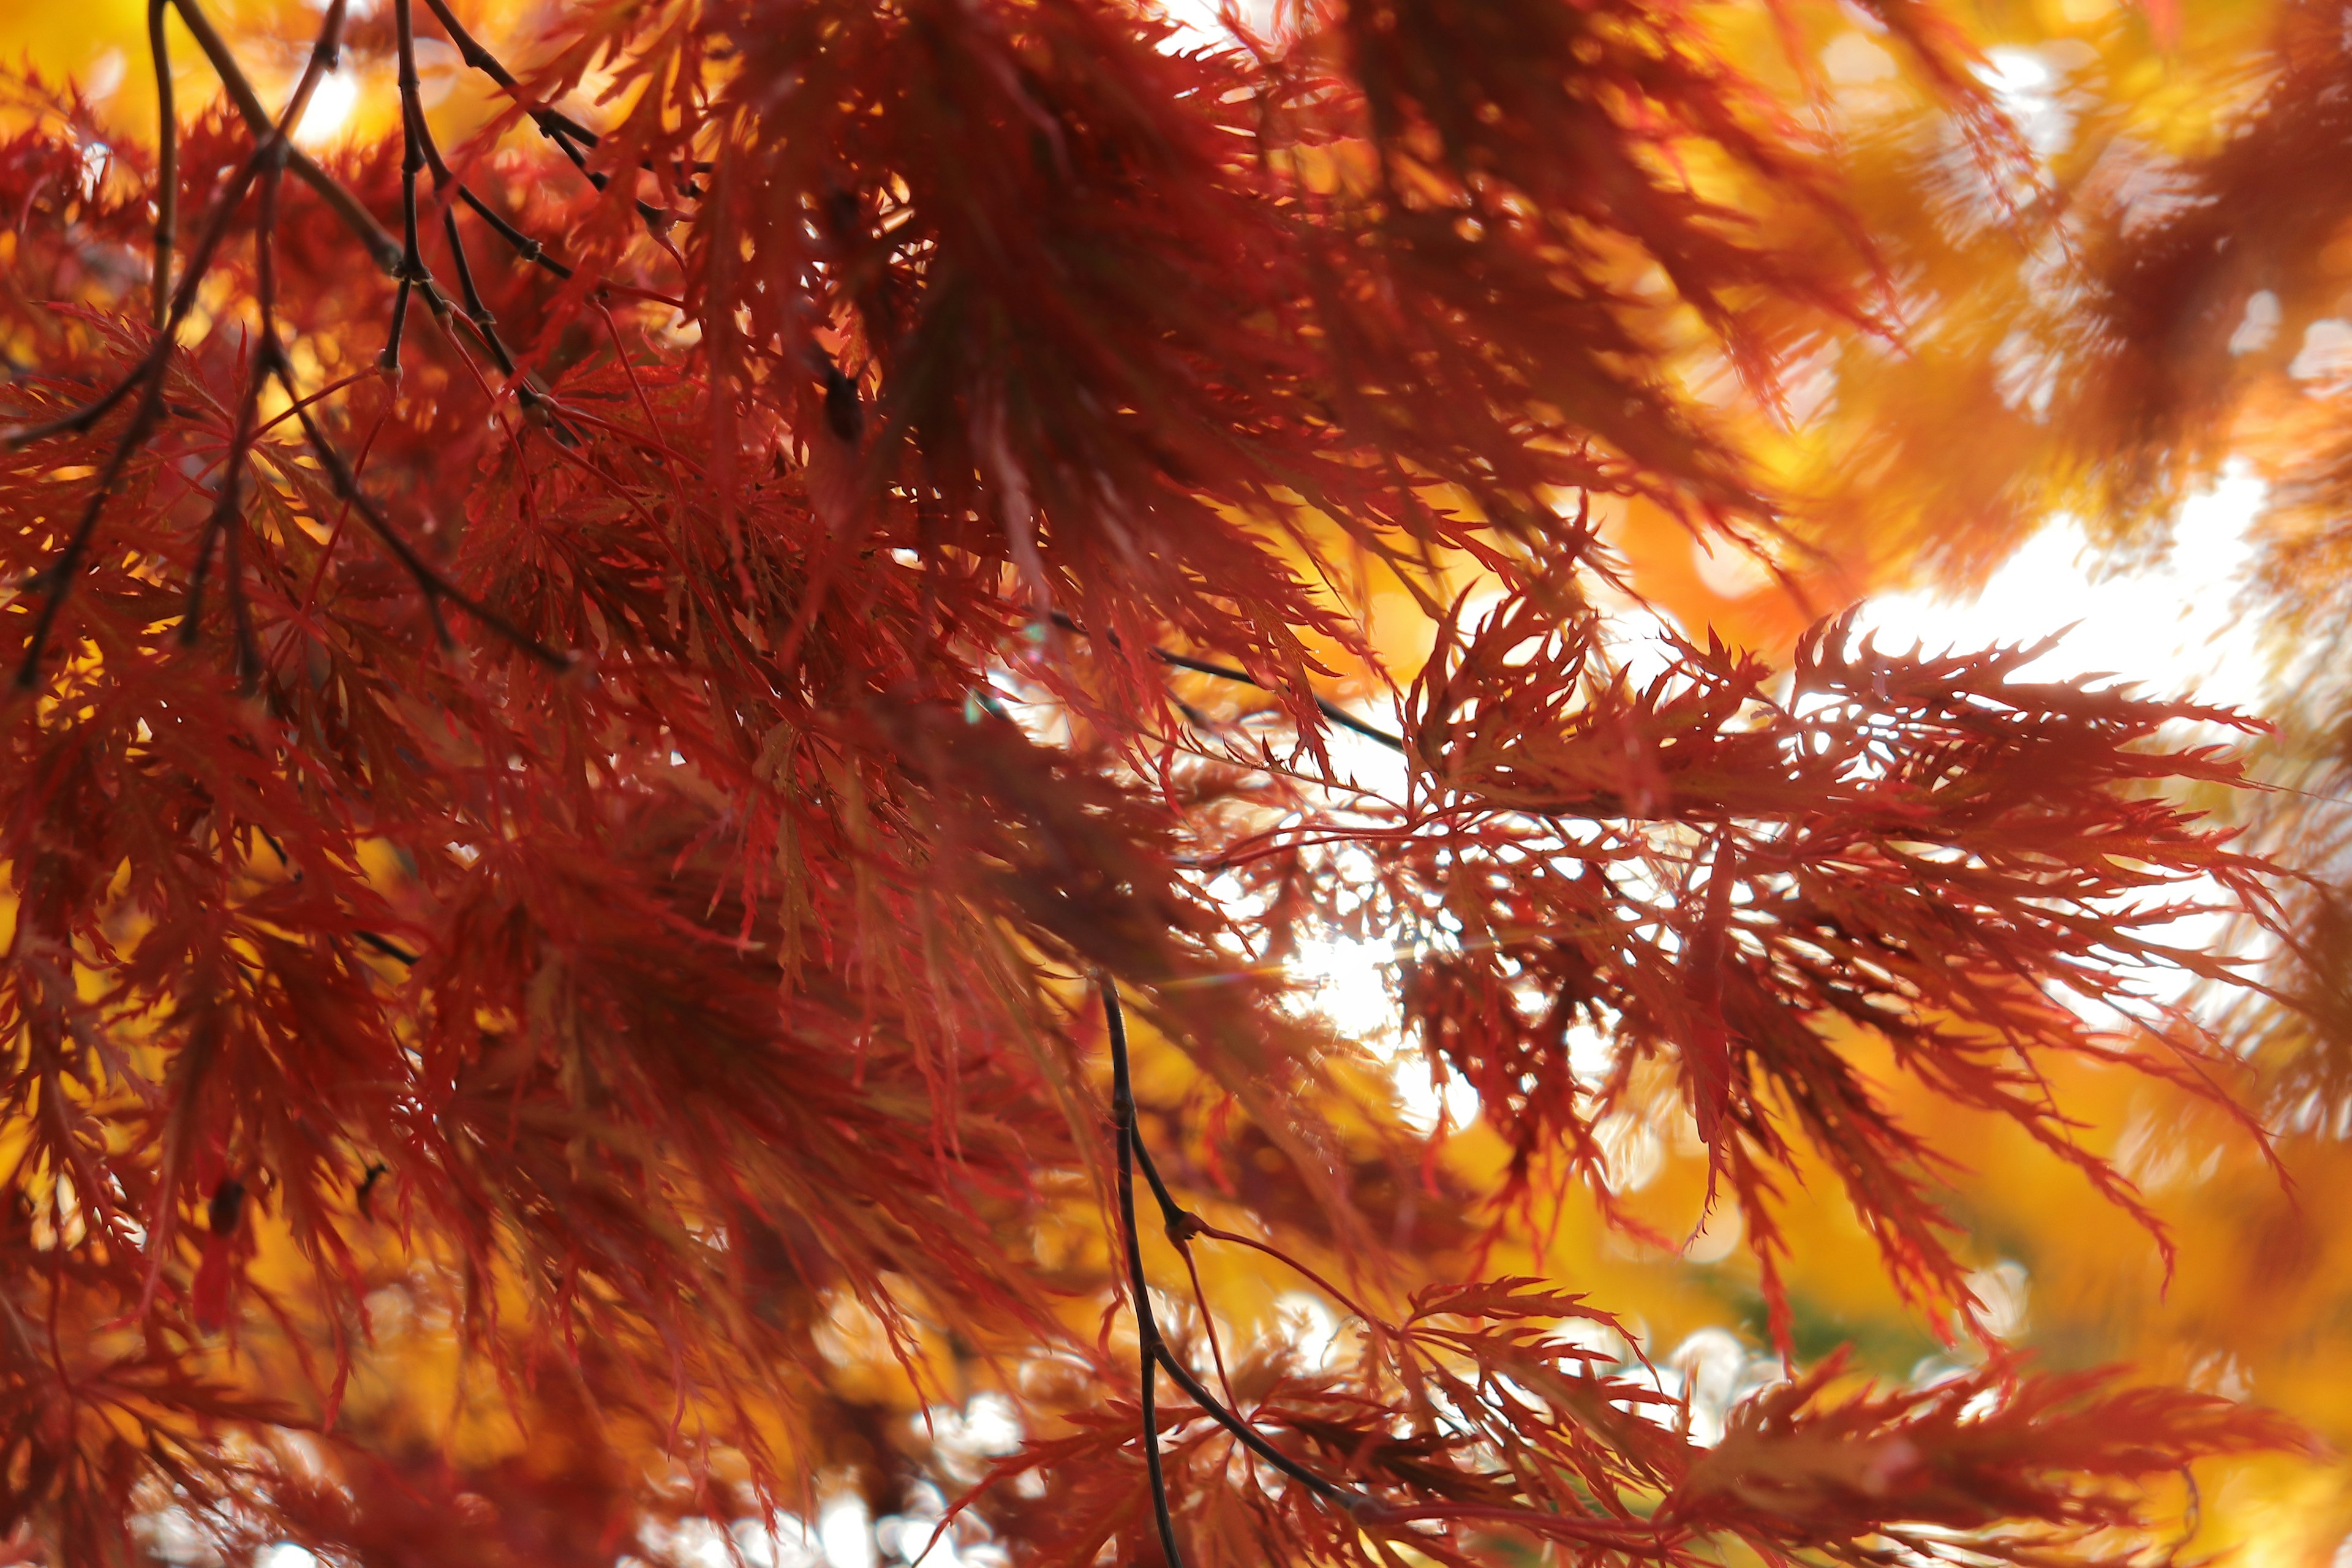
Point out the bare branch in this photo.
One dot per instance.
(347, 206)
(1330, 710)
(268, 160)
(568, 134)
(167, 168)
(1147, 1333)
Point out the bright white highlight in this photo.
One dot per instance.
(1349, 983)
(1199, 26)
(328, 110)
(2177, 625)
(842, 1527)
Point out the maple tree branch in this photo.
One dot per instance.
(430, 582)
(402, 261)
(525, 246)
(167, 168)
(420, 153)
(342, 518)
(226, 517)
(553, 123)
(277, 152)
(1328, 708)
(1147, 1333)
(346, 206)
(1323, 705)
(1154, 1347)
(150, 365)
(568, 134)
(1214, 1234)
(1343, 1498)
(412, 159)
(485, 324)
(55, 581)
(381, 944)
(269, 359)
(415, 125)
(389, 948)
(1208, 1323)
(1182, 1226)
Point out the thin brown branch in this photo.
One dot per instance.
(167, 168)
(1180, 1223)
(227, 518)
(270, 159)
(420, 153)
(55, 580)
(1330, 710)
(470, 298)
(228, 506)
(1208, 1324)
(1352, 1502)
(445, 182)
(1147, 1333)
(553, 123)
(526, 247)
(568, 134)
(1214, 1234)
(150, 367)
(58, 579)
(429, 582)
(382, 246)
(411, 160)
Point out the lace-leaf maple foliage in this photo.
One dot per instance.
(613, 717)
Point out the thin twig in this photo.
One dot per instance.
(345, 206)
(445, 182)
(56, 580)
(1147, 1333)
(227, 514)
(411, 160)
(1180, 1225)
(430, 582)
(528, 248)
(183, 299)
(1330, 710)
(167, 168)
(1353, 1502)
(390, 949)
(568, 134)
(1214, 1234)
(269, 359)
(420, 153)
(343, 516)
(553, 123)
(277, 154)
(1208, 1323)
(470, 297)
